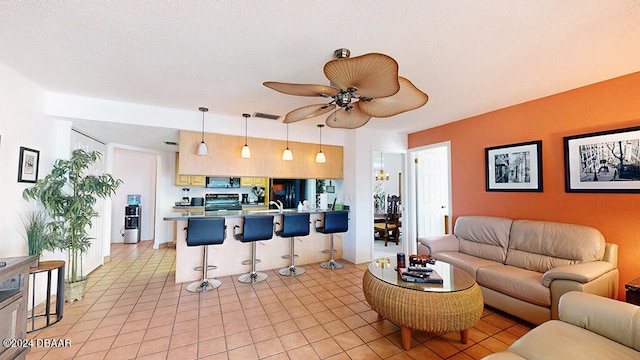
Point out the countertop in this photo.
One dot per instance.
(238, 213)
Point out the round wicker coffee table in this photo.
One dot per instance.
(454, 305)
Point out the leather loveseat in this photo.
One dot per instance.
(524, 266)
(590, 327)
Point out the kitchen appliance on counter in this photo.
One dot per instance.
(197, 201)
(185, 197)
(223, 182)
(217, 202)
(132, 224)
(258, 191)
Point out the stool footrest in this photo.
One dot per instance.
(209, 267)
(328, 251)
(248, 262)
(289, 256)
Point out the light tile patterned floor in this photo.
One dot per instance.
(133, 309)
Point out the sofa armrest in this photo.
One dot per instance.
(582, 273)
(440, 243)
(612, 319)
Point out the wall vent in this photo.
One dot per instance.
(266, 116)
(171, 143)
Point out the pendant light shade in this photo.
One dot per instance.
(287, 154)
(246, 152)
(202, 147)
(320, 158)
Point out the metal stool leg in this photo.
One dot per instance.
(254, 276)
(292, 270)
(331, 264)
(205, 284)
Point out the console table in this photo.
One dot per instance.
(48, 267)
(454, 305)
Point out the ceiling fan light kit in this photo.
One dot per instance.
(362, 87)
(320, 158)
(246, 152)
(202, 147)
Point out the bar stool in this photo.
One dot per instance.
(334, 222)
(293, 225)
(204, 232)
(254, 228)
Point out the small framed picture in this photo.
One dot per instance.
(603, 162)
(28, 165)
(514, 167)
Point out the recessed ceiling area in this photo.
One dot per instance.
(469, 57)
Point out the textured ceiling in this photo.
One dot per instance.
(471, 57)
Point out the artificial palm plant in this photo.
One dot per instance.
(68, 195)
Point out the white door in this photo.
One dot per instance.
(93, 257)
(433, 196)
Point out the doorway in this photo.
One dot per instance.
(388, 180)
(431, 172)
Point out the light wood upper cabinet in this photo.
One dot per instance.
(251, 182)
(188, 180)
(224, 158)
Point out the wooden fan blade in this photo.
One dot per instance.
(307, 112)
(408, 98)
(348, 120)
(302, 89)
(374, 75)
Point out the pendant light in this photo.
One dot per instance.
(320, 158)
(287, 154)
(202, 148)
(246, 152)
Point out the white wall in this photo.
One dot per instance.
(21, 114)
(137, 170)
(23, 123)
(358, 184)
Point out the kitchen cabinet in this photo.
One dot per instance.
(251, 182)
(14, 285)
(188, 180)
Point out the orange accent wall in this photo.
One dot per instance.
(608, 105)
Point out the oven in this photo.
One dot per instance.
(222, 202)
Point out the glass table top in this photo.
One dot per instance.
(454, 279)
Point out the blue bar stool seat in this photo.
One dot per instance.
(254, 228)
(334, 222)
(293, 225)
(204, 232)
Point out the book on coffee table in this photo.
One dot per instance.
(431, 277)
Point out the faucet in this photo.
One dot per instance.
(277, 204)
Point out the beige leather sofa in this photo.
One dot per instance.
(590, 327)
(524, 266)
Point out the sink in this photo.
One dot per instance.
(271, 211)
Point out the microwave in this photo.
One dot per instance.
(223, 182)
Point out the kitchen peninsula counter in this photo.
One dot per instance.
(228, 257)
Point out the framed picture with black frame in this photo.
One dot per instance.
(603, 162)
(28, 165)
(514, 167)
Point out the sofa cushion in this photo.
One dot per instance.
(559, 340)
(516, 282)
(486, 237)
(543, 245)
(468, 263)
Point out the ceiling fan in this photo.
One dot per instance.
(362, 87)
